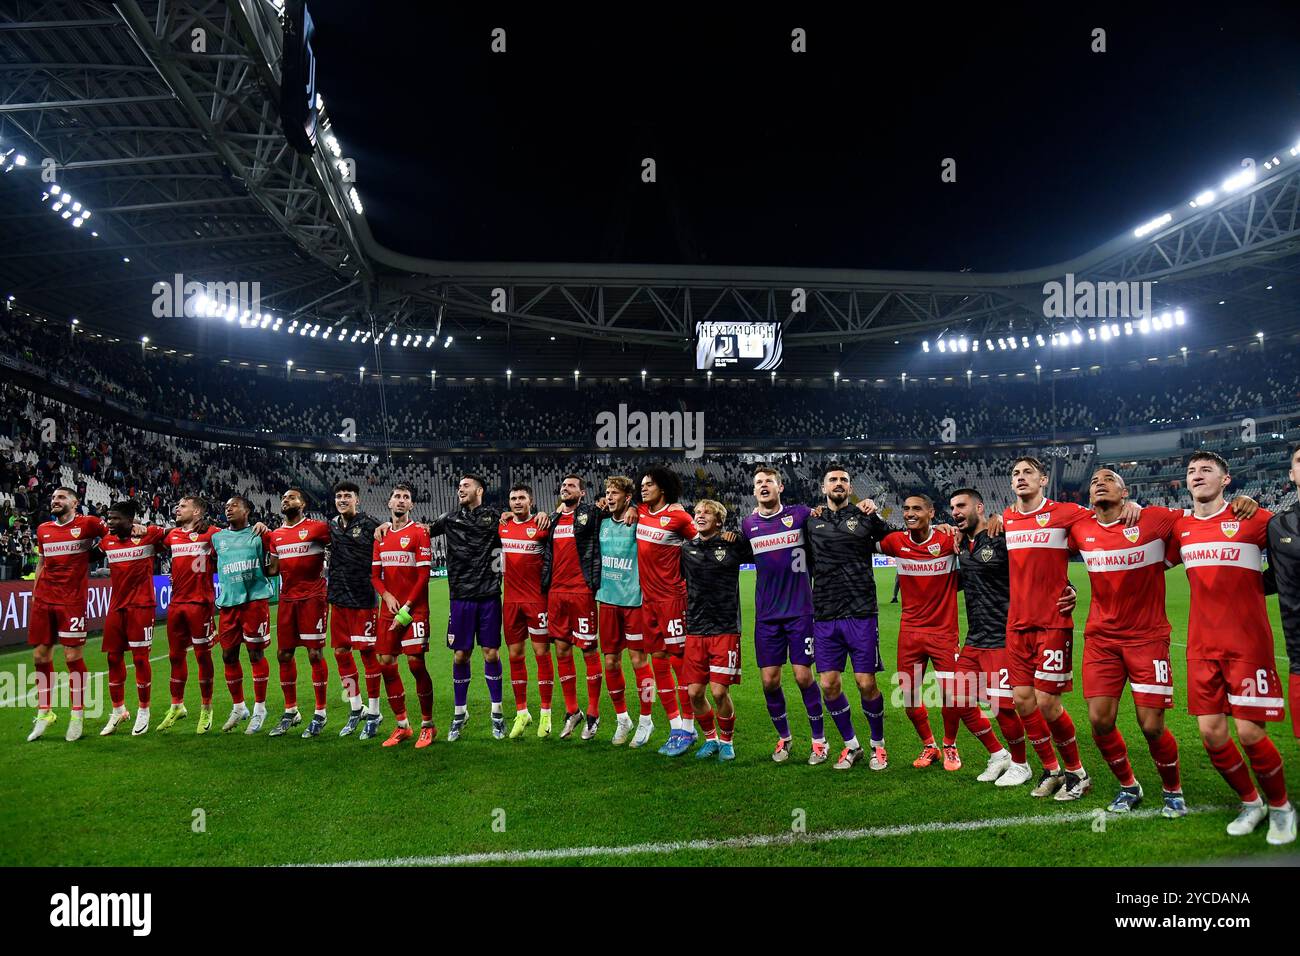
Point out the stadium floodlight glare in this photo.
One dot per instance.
(1002, 344)
(85, 214)
(20, 160)
(144, 340)
(1011, 341)
(988, 344)
(447, 342)
(314, 330)
(1153, 225)
(925, 346)
(975, 345)
(57, 206)
(1144, 325)
(1039, 339)
(406, 341)
(76, 207)
(963, 344)
(1076, 337)
(55, 188)
(266, 320)
(77, 222)
(1260, 336)
(356, 200)
(943, 346)
(1105, 333)
(1237, 181)
(1092, 333)
(1114, 329)
(1128, 328)
(1203, 199)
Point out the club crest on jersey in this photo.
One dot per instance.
(1132, 534)
(935, 548)
(1043, 519)
(986, 554)
(851, 524)
(136, 540)
(531, 532)
(404, 541)
(75, 532)
(1230, 528)
(663, 521)
(720, 554)
(194, 536)
(356, 532)
(788, 521)
(302, 535)
(582, 519)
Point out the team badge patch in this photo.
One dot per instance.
(788, 521)
(663, 521)
(1043, 519)
(356, 532)
(404, 541)
(1230, 528)
(1132, 534)
(194, 536)
(302, 534)
(986, 554)
(582, 519)
(720, 554)
(851, 524)
(136, 540)
(76, 532)
(531, 532)
(934, 549)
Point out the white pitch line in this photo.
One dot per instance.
(754, 840)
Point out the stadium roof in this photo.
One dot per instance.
(178, 156)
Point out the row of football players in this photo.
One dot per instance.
(560, 568)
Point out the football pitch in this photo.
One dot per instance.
(176, 799)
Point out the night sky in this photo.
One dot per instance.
(767, 157)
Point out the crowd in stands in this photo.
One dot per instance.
(203, 391)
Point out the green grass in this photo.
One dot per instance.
(132, 801)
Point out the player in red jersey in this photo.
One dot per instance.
(663, 526)
(300, 544)
(1126, 637)
(190, 609)
(401, 565)
(128, 627)
(1231, 669)
(58, 612)
(524, 609)
(1040, 637)
(927, 572)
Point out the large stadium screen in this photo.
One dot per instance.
(738, 346)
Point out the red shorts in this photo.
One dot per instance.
(1042, 658)
(981, 677)
(128, 629)
(524, 621)
(412, 639)
(352, 627)
(1294, 683)
(712, 659)
(249, 623)
(664, 626)
(1108, 662)
(915, 648)
(1250, 690)
(571, 617)
(300, 623)
(189, 624)
(47, 623)
(620, 628)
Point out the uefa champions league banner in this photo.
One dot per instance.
(16, 599)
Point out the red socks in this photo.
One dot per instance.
(1115, 752)
(374, 670)
(44, 682)
(234, 681)
(568, 669)
(206, 674)
(143, 676)
(545, 679)
(77, 683)
(595, 676)
(617, 685)
(1227, 760)
(261, 677)
(1013, 732)
(951, 720)
(1267, 764)
(645, 688)
(1040, 738)
(663, 672)
(347, 667)
(920, 718)
(288, 683)
(519, 681)
(980, 726)
(725, 727)
(1164, 751)
(707, 725)
(1066, 741)
(423, 685)
(396, 692)
(117, 680)
(180, 673)
(684, 706)
(320, 681)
